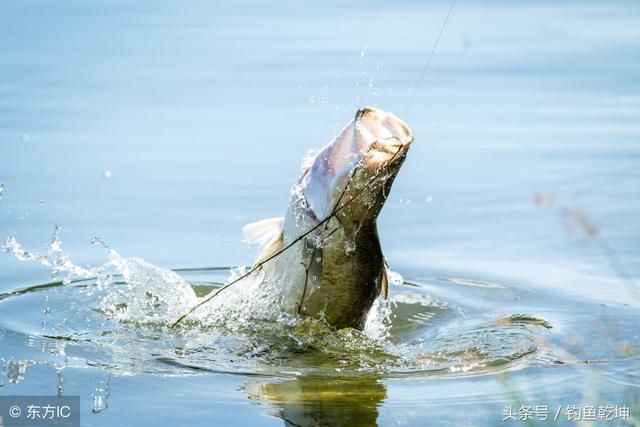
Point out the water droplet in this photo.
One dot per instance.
(108, 174)
(100, 397)
(363, 52)
(25, 137)
(43, 202)
(1, 190)
(15, 370)
(429, 199)
(97, 241)
(60, 387)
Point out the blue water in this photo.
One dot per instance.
(163, 128)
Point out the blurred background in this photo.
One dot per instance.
(163, 127)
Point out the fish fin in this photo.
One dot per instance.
(384, 282)
(263, 232)
(271, 249)
(267, 234)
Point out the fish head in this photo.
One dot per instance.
(352, 176)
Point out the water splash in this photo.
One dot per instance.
(15, 370)
(121, 310)
(363, 52)
(11, 245)
(152, 294)
(378, 321)
(100, 396)
(55, 259)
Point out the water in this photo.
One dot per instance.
(163, 128)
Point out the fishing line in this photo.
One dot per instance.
(334, 212)
(433, 50)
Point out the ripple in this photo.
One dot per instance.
(85, 322)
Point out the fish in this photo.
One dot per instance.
(323, 258)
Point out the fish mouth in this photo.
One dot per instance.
(387, 136)
(372, 145)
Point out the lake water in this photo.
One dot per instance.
(163, 128)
